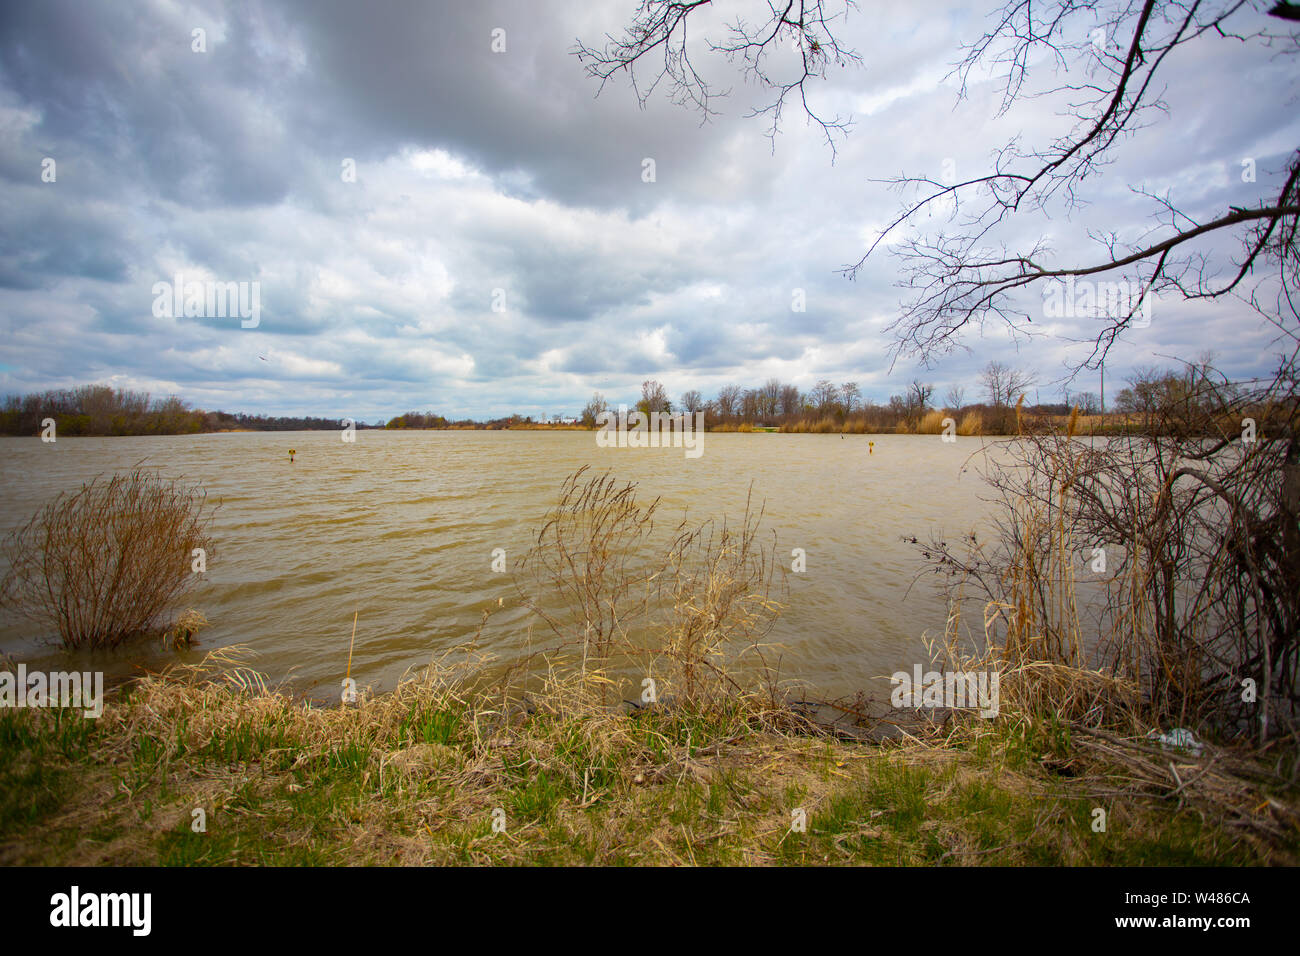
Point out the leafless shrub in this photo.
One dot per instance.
(108, 561)
(1198, 600)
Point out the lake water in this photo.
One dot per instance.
(400, 527)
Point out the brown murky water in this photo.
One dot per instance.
(400, 526)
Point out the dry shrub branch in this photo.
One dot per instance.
(108, 561)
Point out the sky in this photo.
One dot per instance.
(434, 224)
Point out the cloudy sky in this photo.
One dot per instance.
(487, 177)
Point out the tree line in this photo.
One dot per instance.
(1143, 404)
(93, 410)
(101, 410)
(828, 406)
(1149, 400)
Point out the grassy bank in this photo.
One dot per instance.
(414, 776)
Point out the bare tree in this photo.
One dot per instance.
(1004, 385)
(594, 407)
(825, 396)
(692, 401)
(656, 43)
(918, 396)
(962, 278)
(791, 400)
(1087, 402)
(654, 397)
(850, 394)
(956, 397)
(728, 400)
(958, 279)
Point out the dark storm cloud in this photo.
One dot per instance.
(410, 72)
(130, 91)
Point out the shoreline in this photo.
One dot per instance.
(1089, 426)
(434, 773)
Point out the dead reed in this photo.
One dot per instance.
(680, 606)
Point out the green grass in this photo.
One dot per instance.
(285, 785)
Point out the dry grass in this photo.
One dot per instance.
(825, 425)
(421, 774)
(931, 422)
(972, 423)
